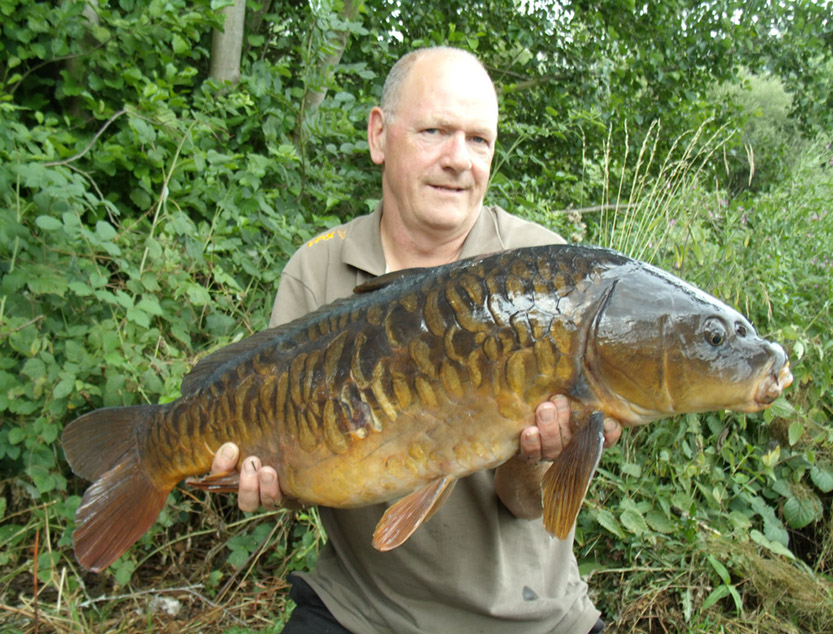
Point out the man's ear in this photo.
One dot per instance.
(376, 135)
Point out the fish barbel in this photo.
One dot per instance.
(423, 377)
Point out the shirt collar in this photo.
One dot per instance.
(363, 245)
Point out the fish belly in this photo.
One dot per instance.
(415, 449)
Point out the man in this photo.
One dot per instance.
(478, 565)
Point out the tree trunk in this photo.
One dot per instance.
(227, 45)
(313, 97)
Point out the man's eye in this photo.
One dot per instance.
(431, 131)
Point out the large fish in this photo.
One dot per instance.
(423, 377)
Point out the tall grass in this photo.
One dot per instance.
(722, 522)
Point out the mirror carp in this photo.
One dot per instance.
(423, 377)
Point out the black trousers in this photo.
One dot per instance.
(311, 616)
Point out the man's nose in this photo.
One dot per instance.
(456, 155)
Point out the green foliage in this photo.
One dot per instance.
(759, 482)
(769, 142)
(145, 215)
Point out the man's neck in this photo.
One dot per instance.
(408, 249)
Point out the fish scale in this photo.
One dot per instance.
(423, 377)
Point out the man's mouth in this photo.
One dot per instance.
(448, 188)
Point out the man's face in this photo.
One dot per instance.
(437, 150)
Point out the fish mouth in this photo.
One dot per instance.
(771, 387)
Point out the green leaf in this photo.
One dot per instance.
(720, 569)
(633, 521)
(717, 594)
(48, 223)
(144, 131)
(43, 280)
(238, 557)
(105, 230)
(795, 432)
(609, 522)
(659, 522)
(822, 478)
(197, 295)
(80, 289)
(782, 407)
(63, 388)
(34, 368)
(632, 469)
(801, 511)
(138, 317)
(773, 546)
(150, 305)
(49, 434)
(16, 435)
(181, 45)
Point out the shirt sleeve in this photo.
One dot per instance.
(294, 299)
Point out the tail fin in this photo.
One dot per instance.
(123, 501)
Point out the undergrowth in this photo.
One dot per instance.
(144, 220)
(721, 522)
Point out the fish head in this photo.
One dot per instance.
(658, 346)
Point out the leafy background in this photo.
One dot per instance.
(147, 211)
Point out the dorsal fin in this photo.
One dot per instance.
(385, 279)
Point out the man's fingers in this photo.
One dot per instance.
(270, 492)
(225, 459)
(248, 498)
(551, 432)
(553, 420)
(531, 444)
(612, 432)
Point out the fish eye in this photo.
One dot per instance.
(715, 333)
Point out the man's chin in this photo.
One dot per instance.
(445, 215)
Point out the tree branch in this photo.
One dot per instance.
(89, 147)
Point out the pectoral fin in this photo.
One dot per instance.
(223, 482)
(566, 482)
(401, 520)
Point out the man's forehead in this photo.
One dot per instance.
(451, 76)
(451, 95)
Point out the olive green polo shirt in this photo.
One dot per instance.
(473, 567)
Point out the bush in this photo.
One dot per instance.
(694, 507)
(769, 141)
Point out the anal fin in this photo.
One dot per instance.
(401, 520)
(222, 482)
(566, 482)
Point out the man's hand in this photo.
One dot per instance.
(518, 481)
(552, 433)
(258, 484)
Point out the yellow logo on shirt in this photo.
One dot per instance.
(328, 236)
